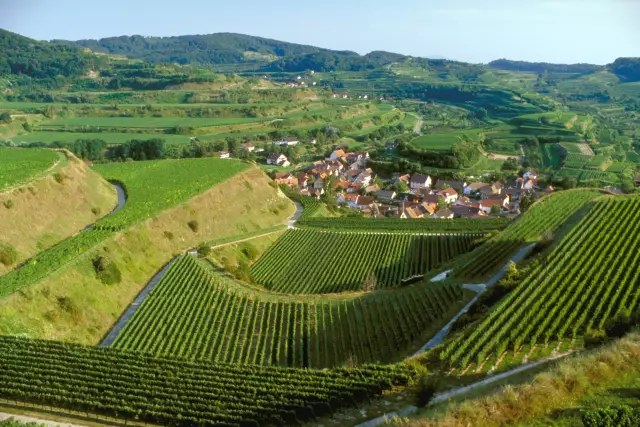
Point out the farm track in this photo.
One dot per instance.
(41, 422)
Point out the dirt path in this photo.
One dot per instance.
(24, 419)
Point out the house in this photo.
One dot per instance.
(316, 192)
(530, 174)
(342, 185)
(287, 142)
(487, 205)
(529, 184)
(318, 184)
(259, 150)
(247, 146)
(313, 141)
(350, 200)
(465, 211)
(223, 155)
(413, 212)
(303, 178)
(443, 214)
(278, 159)
(365, 202)
(354, 187)
(385, 195)
(505, 199)
(402, 178)
(364, 177)
(490, 190)
(419, 181)
(456, 185)
(337, 155)
(515, 195)
(428, 208)
(371, 188)
(432, 199)
(474, 188)
(450, 195)
(286, 179)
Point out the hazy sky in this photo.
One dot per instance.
(562, 31)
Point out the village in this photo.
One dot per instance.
(355, 186)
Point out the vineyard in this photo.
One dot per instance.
(137, 387)
(545, 216)
(589, 278)
(402, 225)
(316, 262)
(151, 187)
(196, 314)
(18, 165)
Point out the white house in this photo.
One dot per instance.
(486, 205)
(450, 195)
(419, 181)
(278, 159)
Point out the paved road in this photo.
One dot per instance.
(122, 199)
(124, 319)
(480, 289)
(296, 216)
(441, 397)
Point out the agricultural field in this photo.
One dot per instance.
(349, 261)
(545, 216)
(172, 391)
(147, 122)
(591, 276)
(387, 225)
(109, 137)
(444, 141)
(200, 315)
(20, 165)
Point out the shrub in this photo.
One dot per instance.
(193, 225)
(8, 204)
(249, 251)
(623, 416)
(107, 270)
(427, 388)
(68, 305)
(8, 254)
(168, 235)
(58, 177)
(204, 249)
(95, 211)
(595, 338)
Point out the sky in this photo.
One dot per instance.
(558, 31)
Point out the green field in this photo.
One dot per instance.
(196, 314)
(108, 137)
(444, 141)
(351, 261)
(149, 122)
(18, 165)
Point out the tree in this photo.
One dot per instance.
(442, 204)
(402, 187)
(5, 118)
(496, 210)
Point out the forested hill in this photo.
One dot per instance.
(628, 69)
(220, 48)
(24, 56)
(541, 67)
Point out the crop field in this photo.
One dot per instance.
(151, 187)
(545, 216)
(576, 161)
(171, 391)
(149, 122)
(618, 167)
(18, 165)
(199, 315)
(386, 225)
(598, 162)
(108, 137)
(590, 277)
(551, 154)
(350, 261)
(444, 141)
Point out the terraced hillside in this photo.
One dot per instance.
(590, 277)
(350, 261)
(200, 315)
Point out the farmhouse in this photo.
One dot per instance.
(278, 159)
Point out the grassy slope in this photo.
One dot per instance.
(45, 211)
(554, 397)
(241, 204)
(19, 166)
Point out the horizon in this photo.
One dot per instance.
(448, 31)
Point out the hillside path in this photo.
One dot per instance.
(418, 128)
(291, 223)
(479, 289)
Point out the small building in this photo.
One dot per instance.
(487, 205)
(223, 155)
(474, 188)
(443, 214)
(365, 202)
(248, 146)
(278, 159)
(419, 181)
